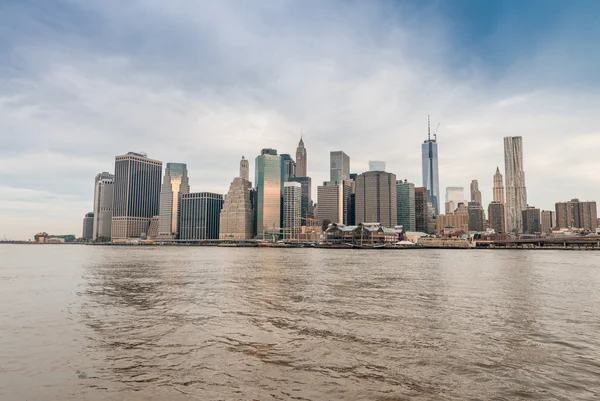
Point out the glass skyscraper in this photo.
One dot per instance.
(136, 194)
(339, 163)
(269, 180)
(431, 178)
(174, 184)
(199, 215)
(405, 198)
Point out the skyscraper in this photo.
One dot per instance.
(199, 215)
(376, 165)
(531, 220)
(288, 165)
(333, 199)
(516, 193)
(301, 162)
(497, 217)
(339, 166)
(431, 180)
(269, 188)
(421, 210)
(103, 205)
(237, 214)
(476, 216)
(88, 226)
(306, 182)
(475, 192)
(454, 196)
(136, 194)
(576, 214)
(175, 183)
(376, 198)
(498, 186)
(292, 208)
(547, 221)
(405, 205)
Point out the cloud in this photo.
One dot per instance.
(207, 82)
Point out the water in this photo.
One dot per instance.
(156, 323)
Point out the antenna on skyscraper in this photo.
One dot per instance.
(428, 129)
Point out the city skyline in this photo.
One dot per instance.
(66, 113)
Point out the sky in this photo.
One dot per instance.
(206, 82)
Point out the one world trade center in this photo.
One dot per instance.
(431, 178)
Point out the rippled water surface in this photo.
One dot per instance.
(188, 323)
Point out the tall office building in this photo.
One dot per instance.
(531, 220)
(301, 161)
(498, 186)
(476, 217)
(376, 198)
(405, 205)
(421, 210)
(175, 183)
(576, 214)
(288, 165)
(103, 205)
(547, 221)
(199, 215)
(333, 199)
(431, 177)
(475, 192)
(339, 163)
(292, 209)
(516, 193)
(136, 195)
(306, 183)
(88, 226)
(376, 165)
(269, 187)
(497, 217)
(237, 214)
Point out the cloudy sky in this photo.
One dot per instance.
(205, 82)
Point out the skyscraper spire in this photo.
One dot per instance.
(301, 158)
(429, 155)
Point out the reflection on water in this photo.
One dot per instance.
(96, 323)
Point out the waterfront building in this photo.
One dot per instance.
(103, 205)
(498, 186)
(475, 192)
(306, 183)
(547, 221)
(452, 223)
(431, 180)
(497, 217)
(288, 166)
(516, 192)
(88, 226)
(421, 210)
(269, 187)
(175, 183)
(199, 215)
(333, 199)
(136, 194)
(531, 220)
(292, 210)
(405, 205)
(576, 214)
(376, 198)
(376, 165)
(476, 217)
(301, 160)
(339, 163)
(236, 220)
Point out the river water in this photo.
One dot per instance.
(190, 323)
